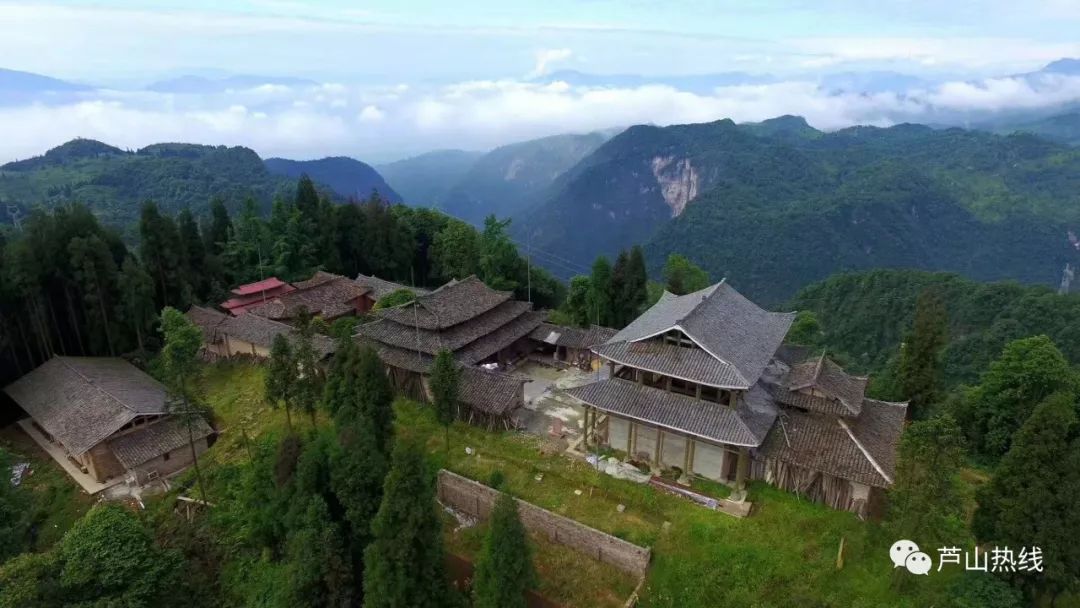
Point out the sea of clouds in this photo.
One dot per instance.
(379, 123)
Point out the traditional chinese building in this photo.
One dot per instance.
(376, 289)
(325, 295)
(253, 294)
(572, 345)
(486, 330)
(246, 335)
(695, 384)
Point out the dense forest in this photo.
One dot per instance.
(70, 285)
(776, 205)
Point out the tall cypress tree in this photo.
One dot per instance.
(403, 565)
(445, 384)
(619, 283)
(635, 289)
(600, 289)
(920, 361)
(180, 355)
(1031, 499)
(136, 299)
(217, 236)
(504, 571)
(281, 377)
(161, 252)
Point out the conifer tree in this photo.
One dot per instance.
(136, 299)
(445, 385)
(217, 236)
(619, 284)
(1031, 499)
(95, 272)
(504, 571)
(920, 374)
(635, 289)
(375, 397)
(600, 290)
(160, 252)
(308, 384)
(281, 377)
(193, 254)
(403, 565)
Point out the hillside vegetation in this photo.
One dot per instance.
(346, 176)
(773, 206)
(114, 182)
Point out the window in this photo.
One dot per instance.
(165, 456)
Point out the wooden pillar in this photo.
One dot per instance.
(611, 368)
(633, 438)
(688, 456)
(639, 376)
(733, 398)
(697, 391)
(667, 383)
(587, 426)
(741, 469)
(659, 451)
(630, 440)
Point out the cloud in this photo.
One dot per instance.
(380, 123)
(546, 58)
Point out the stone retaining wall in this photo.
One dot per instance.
(478, 500)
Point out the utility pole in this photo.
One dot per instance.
(528, 263)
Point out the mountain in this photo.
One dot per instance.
(346, 176)
(1066, 65)
(190, 85)
(694, 83)
(775, 205)
(509, 179)
(422, 180)
(115, 182)
(1062, 128)
(17, 88)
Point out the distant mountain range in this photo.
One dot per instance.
(190, 85)
(775, 205)
(346, 176)
(504, 181)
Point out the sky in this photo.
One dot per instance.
(390, 79)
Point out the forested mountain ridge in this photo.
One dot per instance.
(426, 178)
(866, 316)
(775, 205)
(114, 182)
(346, 176)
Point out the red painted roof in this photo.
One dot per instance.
(259, 286)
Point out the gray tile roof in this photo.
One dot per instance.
(723, 322)
(691, 364)
(494, 393)
(572, 337)
(843, 393)
(453, 303)
(863, 451)
(261, 331)
(381, 287)
(745, 425)
(432, 341)
(207, 320)
(82, 400)
(138, 446)
(325, 294)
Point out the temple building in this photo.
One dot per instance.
(324, 295)
(486, 330)
(253, 294)
(699, 383)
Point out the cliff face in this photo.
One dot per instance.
(678, 181)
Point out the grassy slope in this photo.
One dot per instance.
(784, 555)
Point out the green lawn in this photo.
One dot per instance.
(783, 555)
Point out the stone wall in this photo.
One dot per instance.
(478, 500)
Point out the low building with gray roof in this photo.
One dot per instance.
(107, 417)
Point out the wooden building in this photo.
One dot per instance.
(253, 294)
(106, 417)
(572, 345)
(376, 289)
(695, 384)
(325, 295)
(246, 335)
(482, 327)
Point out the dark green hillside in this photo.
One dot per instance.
(346, 176)
(423, 180)
(1063, 128)
(511, 178)
(865, 316)
(114, 182)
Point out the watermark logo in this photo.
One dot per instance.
(906, 554)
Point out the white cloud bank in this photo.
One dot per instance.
(382, 123)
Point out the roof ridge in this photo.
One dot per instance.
(712, 289)
(862, 448)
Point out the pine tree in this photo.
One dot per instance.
(619, 282)
(375, 397)
(349, 236)
(1031, 499)
(95, 272)
(161, 252)
(193, 254)
(601, 310)
(445, 385)
(920, 361)
(924, 502)
(217, 236)
(504, 571)
(403, 565)
(307, 200)
(180, 356)
(635, 289)
(247, 252)
(281, 377)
